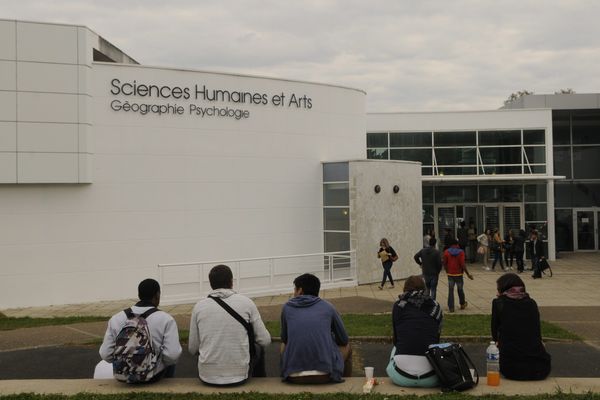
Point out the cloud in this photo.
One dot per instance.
(428, 55)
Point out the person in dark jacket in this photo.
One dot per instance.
(519, 249)
(516, 329)
(315, 347)
(388, 256)
(462, 236)
(417, 321)
(430, 261)
(536, 246)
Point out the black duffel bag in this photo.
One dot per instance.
(453, 367)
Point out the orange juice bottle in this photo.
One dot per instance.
(493, 364)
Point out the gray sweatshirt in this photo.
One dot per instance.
(220, 341)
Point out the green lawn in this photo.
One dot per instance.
(453, 325)
(10, 323)
(295, 396)
(356, 325)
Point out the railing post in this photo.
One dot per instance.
(200, 270)
(330, 257)
(238, 277)
(271, 271)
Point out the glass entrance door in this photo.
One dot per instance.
(512, 219)
(446, 217)
(585, 221)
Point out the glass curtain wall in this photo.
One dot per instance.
(489, 152)
(576, 148)
(336, 207)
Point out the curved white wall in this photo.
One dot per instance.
(176, 188)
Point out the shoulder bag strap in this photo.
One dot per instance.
(241, 320)
(470, 364)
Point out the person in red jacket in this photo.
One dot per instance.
(454, 264)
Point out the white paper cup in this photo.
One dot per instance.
(369, 372)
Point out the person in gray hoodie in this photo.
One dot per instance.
(430, 260)
(315, 347)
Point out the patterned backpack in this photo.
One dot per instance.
(134, 358)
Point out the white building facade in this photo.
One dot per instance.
(108, 168)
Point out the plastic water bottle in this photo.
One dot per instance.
(493, 364)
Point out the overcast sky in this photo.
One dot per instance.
(408, 55)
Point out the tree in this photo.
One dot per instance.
(516, 95)
(565, 91)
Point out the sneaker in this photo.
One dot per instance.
(392, 287)
(451, 310)
(487, 268)
(463, 306)
(380, 287)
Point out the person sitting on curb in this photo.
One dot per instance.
(516, 329)
(417, 323)
(219, 339)
(454, 265)
(315, 346)
(126, 338)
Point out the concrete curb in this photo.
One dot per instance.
(275, 386)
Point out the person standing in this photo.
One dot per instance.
(519, 249)
(484, 247)
(516, 329)
(537, 253)
(448, 238)
(509, 253)
(387, 255)
(461, 235)
(472, 237)
(454, 264)
(430, 261)
(426, 239)
(496, 247)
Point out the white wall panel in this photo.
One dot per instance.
(8, 171)
(8, 136)
(44, 77)
(8, 106)
(44, 137)
(8, 42)
(86, 171)
(46, 43)
(47, 168)
(47, 107)
(8, 75)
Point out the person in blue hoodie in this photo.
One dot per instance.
(315, 347)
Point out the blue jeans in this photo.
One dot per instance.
(401, 380)
(431, 282)
(497, 257)
(387, 266)
(459, 282)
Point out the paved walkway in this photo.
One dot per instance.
(571, 298)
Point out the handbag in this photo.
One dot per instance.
(453, 367)
(481, 250)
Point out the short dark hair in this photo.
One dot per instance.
(508, 281)
(147, 289)
(432, 241)
(309, 284)
(220, 277)
(454, 242)
(414, 282)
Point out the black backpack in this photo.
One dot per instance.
(453, 367)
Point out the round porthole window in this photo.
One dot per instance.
(396, 188)
(377, 188)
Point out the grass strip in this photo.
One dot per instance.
(356, 325)
(10, 323)
(295, 396)
(453, 325)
